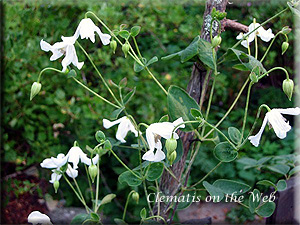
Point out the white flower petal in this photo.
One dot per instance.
(45, 46)
(55, 177)
(278, 123)
(48, 163)
(256, 139)
(150, 138)
(74, 154)
(105, 38)
(108, 124)
(122, 131)
(159, 156)
(289, 111)
(149, 156)
(72, 172)
(36, 217)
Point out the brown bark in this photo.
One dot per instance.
(168, 185)
(233, 25)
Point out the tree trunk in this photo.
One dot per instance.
(168, 185)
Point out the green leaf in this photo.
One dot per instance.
(279, 168)
(152, 60)
(190, 51)
(137, 67)
(267, 183)
(248, 61)
(267, 209)
(179, 150)
(240, 67)
(143, 213)
(100, 136)
(80, 218)
(155, 171)
(129, 178)
(215, 192)
(129, 96)
(165, 118)
(115, 114)
(188, 199)
(234, 135)
(196, 114)
(206, 53)
(231, 186)
(107, 199)
(254, 200)
(294, 170)
(95, 217)
(124, 34)
(225, 152)
(171, 56)
(120, 221)
(281, 185)
(180, 105)
(72, 73)
(134, 31)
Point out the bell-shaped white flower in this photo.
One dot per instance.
(53, 162)
(124, 127)
(55, 176)
(277, 122)
(265, 35)
(153, 134)
(67, 48)
(36, 217)
(87, 28)
(75, 155)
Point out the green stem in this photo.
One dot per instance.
(137, 47)
(172, 174)
(126, 204)
(204, 88)
(123, 164)
(220, 132)
(146, 194)
(212, 170)
(229, 110)
(246, 111)
(192, 160)
(90, 183)
(97, 188)
(158, 204)
(159, 217)
(157, 82)
(46, 69)
(99, 96)
(275, 68)
(185, 122)
(269, 47)
(98, 72)
(82, 201)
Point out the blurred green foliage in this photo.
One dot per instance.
(64, 112)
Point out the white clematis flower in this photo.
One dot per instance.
(153, 134)
(277, 122)
(55, 176)
(75, 155)
(124, 127)
(87, 28)
(36, 217)
(265, 35)
(67, 48)
(53, 162)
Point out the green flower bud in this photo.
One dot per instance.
(135, 196)
(286, 30)
(93, 171)
(288, 88)
(56, 185)
(171, 145)
(125, 49)
(35, 89)
(171, 157)
(253, 77)
(113, 46)
(216, 41)
(284, 47)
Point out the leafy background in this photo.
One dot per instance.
(63, 112)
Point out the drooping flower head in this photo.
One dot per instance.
(279, 124)
(265, 35)
(36, 217)
(124, 127)
(87, 28)
(154, 133)
(65, 47)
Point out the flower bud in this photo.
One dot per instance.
(135, 196)
(286, 30)
(171, 157)
(216, 41)
(284, 47)
(35, 89)
(113, 46)
(253, 77)
(288, 88)
(171, 145)
(56, 185)
(93, 171)
(125, 49)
